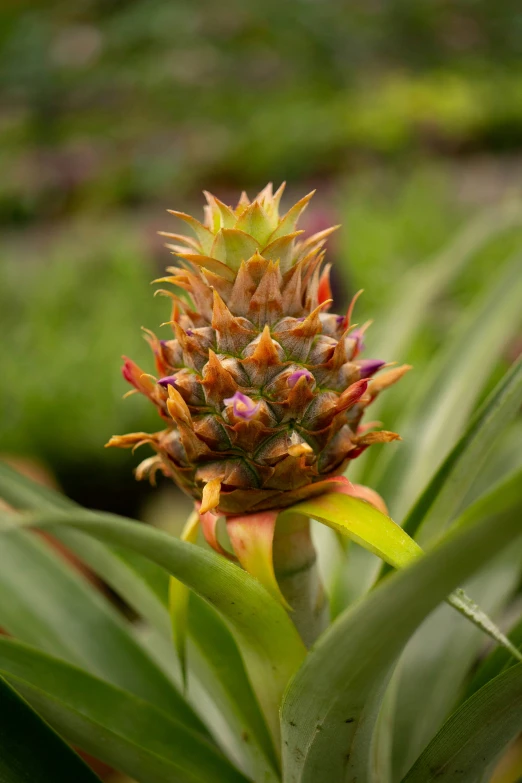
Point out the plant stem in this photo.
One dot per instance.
(298, 577)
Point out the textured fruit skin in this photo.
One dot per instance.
(261, 390)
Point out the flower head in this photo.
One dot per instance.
(254, 325)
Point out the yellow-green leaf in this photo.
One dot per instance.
(377, 533)
(364, 524)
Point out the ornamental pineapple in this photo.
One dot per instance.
(261, 390)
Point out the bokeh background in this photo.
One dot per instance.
(405, 115)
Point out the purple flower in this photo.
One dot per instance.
(242, 406)
(294, 377)
(368, 367)
(169, 380)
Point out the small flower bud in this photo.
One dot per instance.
(302, 373)
(169, 380)
(242, 406)
(368, 367)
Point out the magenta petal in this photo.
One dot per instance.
(252, 537)
(368, 367)
(169, 380)
(242, 406)
(295, 376)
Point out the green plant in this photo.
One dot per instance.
(244, 699)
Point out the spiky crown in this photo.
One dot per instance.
(262, 390)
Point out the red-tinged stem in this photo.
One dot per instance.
(298, 577)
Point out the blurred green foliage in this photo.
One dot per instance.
(72, 306)
(110, 102)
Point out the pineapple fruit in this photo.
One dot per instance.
(261, 390)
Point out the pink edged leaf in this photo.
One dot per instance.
(362, 522)
(209, 527)
(252, 537)
(344, 511)
(179, 598)
(363, 493)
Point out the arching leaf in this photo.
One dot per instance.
(30, 751)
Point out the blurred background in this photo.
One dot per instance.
(406, 116)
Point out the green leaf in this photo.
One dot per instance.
(333, 697)
(445, 396)
(497, 661)
(473, 737)
(206, 262)
(281, 250)
(381, 740)
(377, 533)
(393, 334)
(444, 647)
(364, 524)
(447, 490)
(223, 675)
(111, 724)
(395, 330)
(270, 644)
(20, 492)
(214, 659)
(204, 235)
(232, 246)
(439, 657)
(49, 604)
(255, 222)
(288, 222)
(438, 411)
(30, 751)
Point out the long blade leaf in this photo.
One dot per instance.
(377, 533)
(270, 644)
(424, 284)
(324, 705)
(214, 658)
(48, 604)
(445, 396)
(111, 724)
(448, 488)
(496, 662)
(473, 737)
(411, 302)
(439, 657)
(49, 758)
